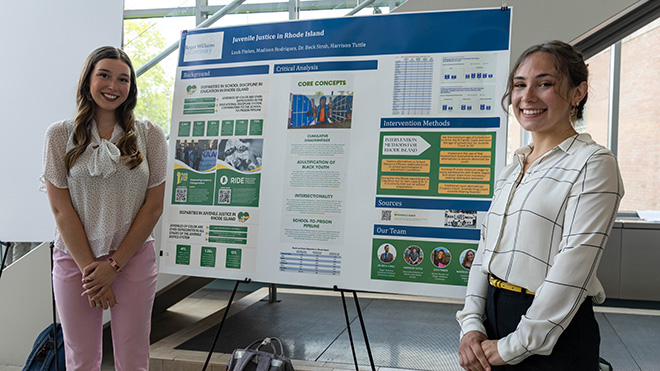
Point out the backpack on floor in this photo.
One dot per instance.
(42, 356)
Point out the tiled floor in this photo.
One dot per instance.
(412, 333)
(405, 333)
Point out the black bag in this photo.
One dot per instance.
(249, 359)
(603, 365)
(42, 356)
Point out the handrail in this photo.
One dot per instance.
(212, 19)
(282, 6)
(360, 7)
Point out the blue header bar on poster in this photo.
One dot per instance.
(427, 232)
(326, 66)
(431, 204)
(221, 72)
(405, 33)
(439, 122)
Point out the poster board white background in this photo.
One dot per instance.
(207, 92)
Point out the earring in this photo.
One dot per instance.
(573, 114)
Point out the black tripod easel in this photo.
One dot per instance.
(52, 293)
(222, 322)
(348, 326)
(4, 256)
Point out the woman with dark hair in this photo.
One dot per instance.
(530, 291)
(104, 174)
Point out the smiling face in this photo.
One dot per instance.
(541, 98)
(469, 256)
(109, 84)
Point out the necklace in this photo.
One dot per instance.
(108, 134)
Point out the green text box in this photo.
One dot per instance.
(207, 258)
(198, 100)
(184, 128)
(227, 128)
(227, 228)
(198, 111)
(233, 258)
(213, 128)
(228, 240)
(228, 234)
(199, 127)
(182, 255)
(256, 127)
(241, 127)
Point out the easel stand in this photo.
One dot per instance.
(4, 256)
(224, 317)
(348, 326)
(52, 293)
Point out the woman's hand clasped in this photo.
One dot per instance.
(490, 350)
(470, 353)
(105, 301)
(97, 278)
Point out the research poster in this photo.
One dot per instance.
(357, 152)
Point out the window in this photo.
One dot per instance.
(639, 119)
(150, 26)
(636, 126)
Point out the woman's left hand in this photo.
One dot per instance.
(490, 349)
(97, 278)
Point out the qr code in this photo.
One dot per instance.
(386, 215)
(224, 196)
(181, 195)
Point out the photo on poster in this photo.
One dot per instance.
(440, 257)
(413, 255)
(422, 261)
(197, 154)
(461, 218)
(241, 154)
(320, 111)
(322, 101)
(386, 253)
(467, 258)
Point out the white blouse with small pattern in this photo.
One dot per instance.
(105, 193)
(546, 234)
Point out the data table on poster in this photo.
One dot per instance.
(310, 263)
(413, 84)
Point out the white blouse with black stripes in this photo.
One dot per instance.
(545, 231)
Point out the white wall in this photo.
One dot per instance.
(26, 307)
(44, 45)
(535, 21)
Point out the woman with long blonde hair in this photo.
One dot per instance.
(104, 173)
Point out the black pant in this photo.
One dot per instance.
(576, 350)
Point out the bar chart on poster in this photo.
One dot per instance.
(337, 152)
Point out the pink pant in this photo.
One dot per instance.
(134, 288)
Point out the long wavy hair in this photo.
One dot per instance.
(87, 109)
(569, 63)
